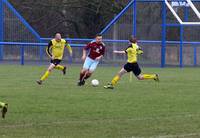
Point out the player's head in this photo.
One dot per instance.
(98, 38)
(58, 37)
(133, 40)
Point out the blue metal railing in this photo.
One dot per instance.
(126, 41)
(131, 4)
(22, 45)
(1, 28)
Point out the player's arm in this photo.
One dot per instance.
(99, 57)
(102, 54)
(139, 50)
(69, 48)
(84, 55)
(119, 52)
(48, 50)
(87, 47)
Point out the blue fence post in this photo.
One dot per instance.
(1, 28)
(41, 51)
(195, 55)
(134, 18)
(181, 47)
(163, 48)
(70, 58)
(22, 55)
(186, 13)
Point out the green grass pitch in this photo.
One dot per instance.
(140, 109)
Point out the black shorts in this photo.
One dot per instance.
(134, 67)
(56, 61)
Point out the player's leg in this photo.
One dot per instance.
(116, 79)
(91, 69)
(83, 73)
(62, 68)
(4, 109)
(118, 76)
(47, 73)
(137, 72)
(87, 75)
(148, 77)
(84, 70)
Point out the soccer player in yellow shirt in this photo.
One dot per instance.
(55, 51)
(132, 51)
(4, 109)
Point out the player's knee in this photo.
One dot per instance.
(121, 73)
(50, 69)
(89, 73)
(140, 77)
(83, 71)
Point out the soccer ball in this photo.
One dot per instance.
(95, 82)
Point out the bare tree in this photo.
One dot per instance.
(73, 18)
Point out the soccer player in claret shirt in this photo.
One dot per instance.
(55, 50)
(131, 66)
(96, 51)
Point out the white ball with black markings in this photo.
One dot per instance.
(95, 82)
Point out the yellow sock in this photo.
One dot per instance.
(115, 80)
(2, 104)
(45, 76)
(149, 76)
(59, 67)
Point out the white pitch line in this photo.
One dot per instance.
(171, 136)
(91, 121)
(178, 135)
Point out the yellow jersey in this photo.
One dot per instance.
(132, 51)
(55, 48)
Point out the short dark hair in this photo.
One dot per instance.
(97, 35)
(133, 39)
(57, 33)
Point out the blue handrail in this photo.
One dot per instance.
(125, 41)
(109, 41)
(34, 44)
